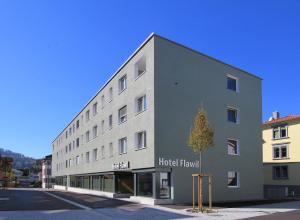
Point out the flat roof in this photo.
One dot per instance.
(132, 55)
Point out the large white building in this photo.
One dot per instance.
(130, 138)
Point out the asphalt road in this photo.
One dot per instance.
(11, 200)
(81, 206)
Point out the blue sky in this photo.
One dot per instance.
(55, 55)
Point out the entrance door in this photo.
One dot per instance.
(124, 183)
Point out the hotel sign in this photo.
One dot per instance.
(121, 165)
(166, 162)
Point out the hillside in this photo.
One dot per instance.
(19, 160)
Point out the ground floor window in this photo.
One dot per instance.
(96, 182)
(145, 184)
(164, 185)
(280, 172)
(61, 180)
(108, 183)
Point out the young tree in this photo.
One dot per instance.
(201, 135)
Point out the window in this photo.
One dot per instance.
(102, 101)
(73, 128)
(123, 114)
(102, 151)
(280, 132)
(95, 154)
(66, 149)
(232, 147)
(95, 131)
(110, 94)
(140, 67)
(70, 146)
(95, 110)
(66, 163)
(77, 124)
(122, 83)
(280, 172)
(280, 151)
(66, 134)
(164, 185)
(144, 184)
(123, 145)
(102, 126)
(77, 160)
(87, 157)
(77, 142)
(73, 145)
(232, 115)
(110, 122)
(70, 162)
(233, 179)
(87, 136)
(232, 83)
(87, 115)
(141, 104)
(140, 140)
(70, 131)
(111, 150)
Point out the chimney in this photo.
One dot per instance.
(275, 115)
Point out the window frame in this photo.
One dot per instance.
(144, 139)
(280, 172)
(237, 84)
(237, 114)
(144, 104)
(121, 84)
(238, 184)
(280, 128)
(125, 115)
(95, 108)
(280, 146)
(140, 62)
(237, 146)
(95, 154)
(124, 148)
(95, 131)
(110, 121)
(87, 116)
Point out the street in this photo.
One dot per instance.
(50, 204)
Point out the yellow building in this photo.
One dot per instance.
(281, 156)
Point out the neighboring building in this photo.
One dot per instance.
(46, 174)
(131, 138)
(6, 174)
(281, 156)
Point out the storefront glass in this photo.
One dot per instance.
(108, 183)
(145, 184)
(164, 185)
(96, 183)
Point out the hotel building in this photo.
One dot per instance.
(130, 139)
(281, 156)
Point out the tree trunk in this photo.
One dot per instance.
(200, 162)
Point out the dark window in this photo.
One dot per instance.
(145, 184)
(232, 115)
(280, 172)
(231, 83)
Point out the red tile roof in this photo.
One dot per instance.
(283, 119)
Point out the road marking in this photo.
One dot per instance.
(68, 201)
(4, 198)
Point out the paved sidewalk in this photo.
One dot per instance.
(93, 207)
